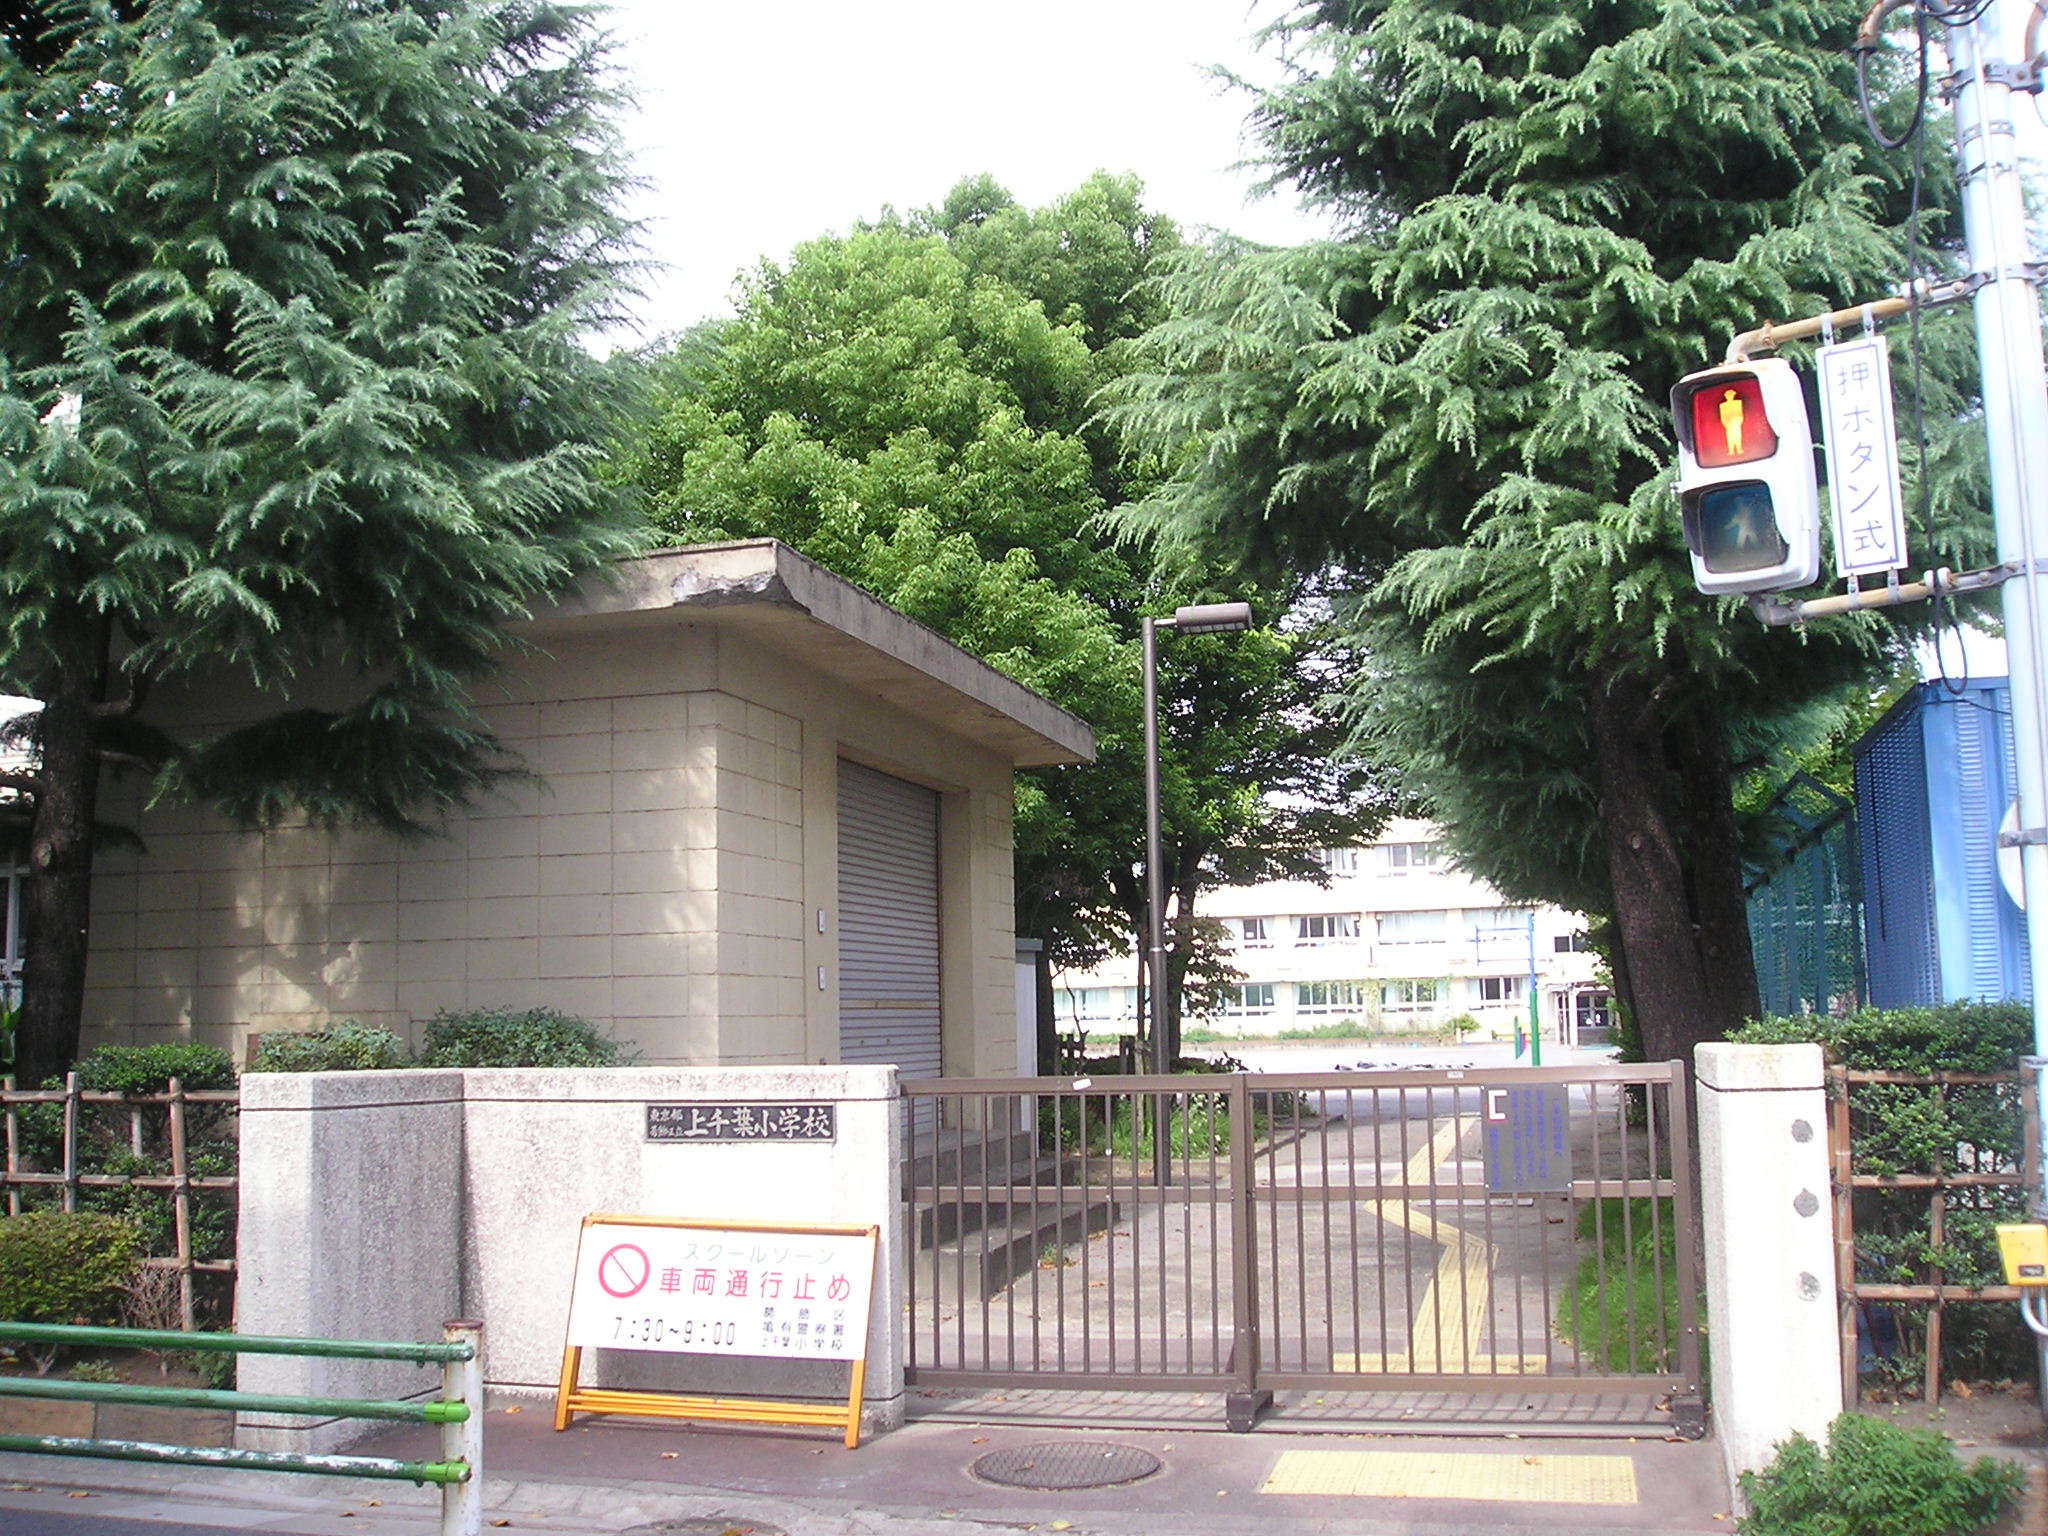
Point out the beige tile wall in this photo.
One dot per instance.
(668, 882)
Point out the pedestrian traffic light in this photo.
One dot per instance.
(1745, 478)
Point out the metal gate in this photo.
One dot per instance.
(1507, 1231)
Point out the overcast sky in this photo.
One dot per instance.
(759, 129)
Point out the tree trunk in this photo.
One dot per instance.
(56, 897)
(1720, 903)
(1667, 980)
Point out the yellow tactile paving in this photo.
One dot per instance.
(1464, 1271)
(1499, 1477)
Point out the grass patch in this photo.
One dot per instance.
(1622, 1308)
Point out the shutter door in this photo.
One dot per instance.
(888, 922)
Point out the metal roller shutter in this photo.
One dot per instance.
(888, 922)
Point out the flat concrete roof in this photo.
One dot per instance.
(793, 605)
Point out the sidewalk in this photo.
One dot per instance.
(608, 1476)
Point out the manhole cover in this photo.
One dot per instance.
(706, 1525)
(1066, 1464)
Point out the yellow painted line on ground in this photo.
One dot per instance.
(1493, 1477)
(1437, 1343)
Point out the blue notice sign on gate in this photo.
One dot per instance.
(1528, 1139)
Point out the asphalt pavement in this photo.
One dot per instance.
(616, 1475)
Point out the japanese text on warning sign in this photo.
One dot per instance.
(707, 1290)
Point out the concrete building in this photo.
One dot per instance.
(1398, 941)
(774, 828)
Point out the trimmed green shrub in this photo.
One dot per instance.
(499, 1037)
(64, 1267)
(1954, 1037)
(1877, 1479)
(344, 1047)
(150, 1068)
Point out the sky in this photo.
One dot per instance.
(755, 138)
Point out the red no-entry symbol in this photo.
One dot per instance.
(623, 1270)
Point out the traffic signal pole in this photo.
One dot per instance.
(2008, 315)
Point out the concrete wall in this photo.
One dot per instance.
(379, 1204)
(1774, 1348)
(674, 880)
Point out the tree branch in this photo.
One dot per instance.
(125, 707)
(1653, 704)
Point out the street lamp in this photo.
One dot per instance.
(1199, 619)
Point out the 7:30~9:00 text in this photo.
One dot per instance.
(657, 1330)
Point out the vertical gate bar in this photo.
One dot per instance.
(1112, 1290)
(1600, 1197)
(984, 1104)
(1269, 1322)
(134, 1128)
(1436, 1292)
(1659, 1280)
(1237, 1131)
(1329, 1259)
(1061, 1184)
(1186, 1217)
(1446, 1177)
(1244, 1347)
(1172, 1180)
(1628, 1245)
(1845, 1231)
(963, 1107)
(1029, 1111)
(1351, 1217)
(1295, 1104)
(1682, 1230)
(1109, 1234)
(1379, 1212)
(1408, 1234)
(1087, 1247)
(911, 1244)
(181, 1202)
(1489, 1325)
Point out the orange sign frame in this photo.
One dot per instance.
(572, 1398)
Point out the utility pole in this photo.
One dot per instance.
(2008, 315)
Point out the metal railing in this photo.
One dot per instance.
(459, 1410)
(1330, 1232)
(179, 1185)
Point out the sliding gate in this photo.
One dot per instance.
(1506, 1231)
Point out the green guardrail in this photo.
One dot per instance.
(458, 1410)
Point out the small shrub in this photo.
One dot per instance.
(150, 1068)
(498, 1037)
(1877, 1479)
(64, 1267)
(344, 1047)
(93, 1370)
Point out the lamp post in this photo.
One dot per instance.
(1199, 619)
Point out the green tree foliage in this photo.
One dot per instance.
(289, 383)
(910, 404)
(1554, 211)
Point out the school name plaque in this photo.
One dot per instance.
(742, 1122)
